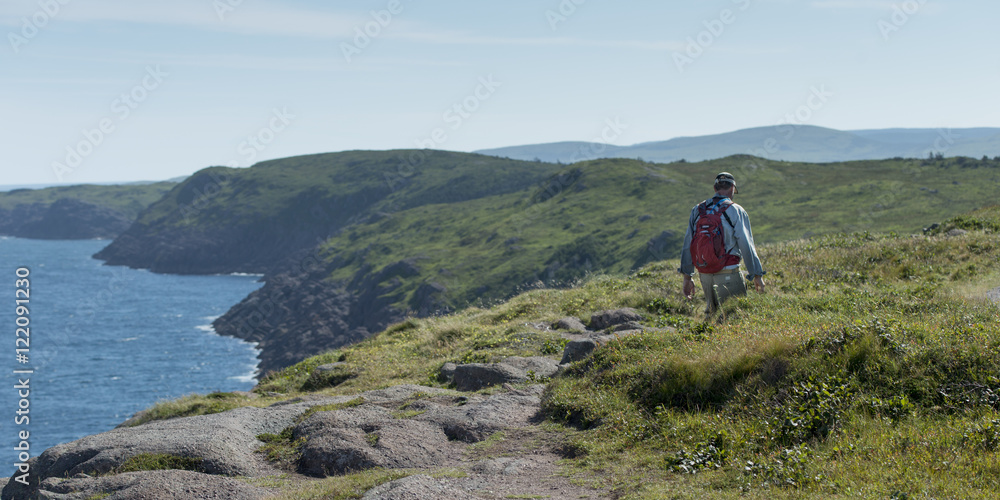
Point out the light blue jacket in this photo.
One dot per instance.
(738, 238)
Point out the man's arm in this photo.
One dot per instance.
(744, 238)
(687, 265)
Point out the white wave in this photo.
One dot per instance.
(128, 339)
(206, 328)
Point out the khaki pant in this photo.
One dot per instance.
(720, 286)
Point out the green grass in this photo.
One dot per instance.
(598, 217)
(199, 404)
(128, 199)
(159, 461)
(866, 370)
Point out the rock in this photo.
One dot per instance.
(329, 367)
(609, 318)
(541, 366)
(475, 376)
(223, 442)
(578, 349)
(504, 466)
(447, 373)
(368, 436)
(627, 326)
(389, 444)
(581, 348)
(478, 419)
(571, 324)
(151, 485)
(956, 232)
(418, 487)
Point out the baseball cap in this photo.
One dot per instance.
(727, 177)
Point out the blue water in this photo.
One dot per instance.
(109, 341)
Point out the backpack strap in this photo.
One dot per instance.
(724, 214)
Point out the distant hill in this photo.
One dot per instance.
(351, 242)
(76, 212)
(803, 143)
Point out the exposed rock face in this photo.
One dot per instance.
(300, 313)
(607, 319)
(475, 376)
(65, 219)
(416, 487)
(433, 432)
(152, 485)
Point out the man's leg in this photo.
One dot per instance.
(707, 285)
(728, 284)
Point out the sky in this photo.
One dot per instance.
(136, 90)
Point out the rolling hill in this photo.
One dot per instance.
(76, 212)
(802, 143)
(350, 244)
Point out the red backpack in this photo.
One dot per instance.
(708, 248)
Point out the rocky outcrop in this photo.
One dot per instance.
(151, 485)
(417, 487)
(300, 313)
(433, 432)
(65, 219)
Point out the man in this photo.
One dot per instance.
(737, 245)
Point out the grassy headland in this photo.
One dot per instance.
(869, 369)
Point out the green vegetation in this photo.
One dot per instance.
(866, 370)
(198, 404)
(128, 199)
(601, 217)
(159, 461)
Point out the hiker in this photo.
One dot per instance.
(717, 256)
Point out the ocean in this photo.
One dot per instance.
(106, 342)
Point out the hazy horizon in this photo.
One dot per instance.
(97, 86)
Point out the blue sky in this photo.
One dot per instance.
(177, 86)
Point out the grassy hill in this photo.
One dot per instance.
(129, 199)
(253, 220)
(354, 241)
(74, 212)
(616, 215)
(868, 369)
(805, 143)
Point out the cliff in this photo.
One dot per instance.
(75, 212)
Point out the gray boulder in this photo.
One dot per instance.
(479, 418)
(475, 376)
(223, 442)
(571, 324)
(609, 318)
(447, 373)
(393, 444)
(418, 487)
(150, 485)
(581, 348)
(542, 367)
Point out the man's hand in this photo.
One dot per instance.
(688, 287)
(758, 282)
